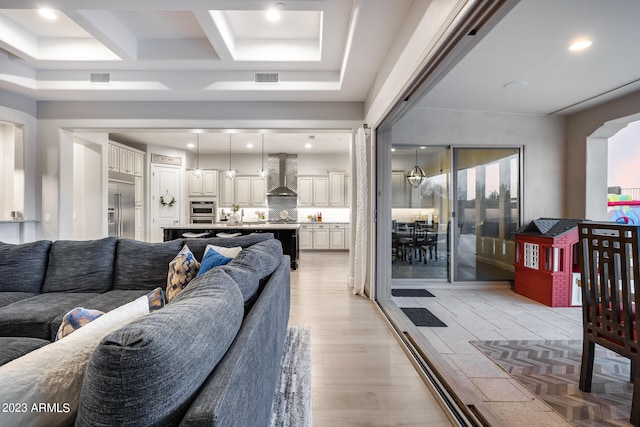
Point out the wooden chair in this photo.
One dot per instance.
(610, 270)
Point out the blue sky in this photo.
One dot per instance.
(623, 167)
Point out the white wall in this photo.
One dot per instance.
(541, 136)
(88, 203)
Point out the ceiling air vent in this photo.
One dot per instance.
(99, 78)
(266, 78)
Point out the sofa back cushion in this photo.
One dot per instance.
(198, 246)
(22, 267)
(142, 265)
(81, 266)
(254, 264)
(150, 370)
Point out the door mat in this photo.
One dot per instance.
(411, 293)
(422, 317)
(551, 370)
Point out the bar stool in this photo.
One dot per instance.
(190, 235)
(223, 234)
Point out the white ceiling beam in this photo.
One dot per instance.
(108, 30)
(166, 5)
(218, 33)
(17, 40)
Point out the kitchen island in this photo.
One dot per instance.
(287, 233)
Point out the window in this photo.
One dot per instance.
(531, 255)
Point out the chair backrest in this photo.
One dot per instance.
(610, 270)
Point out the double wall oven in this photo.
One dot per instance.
(203, 212)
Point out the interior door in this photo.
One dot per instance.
(166, 199)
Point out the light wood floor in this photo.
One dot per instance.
(360, 375)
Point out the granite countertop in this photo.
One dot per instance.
(248, 225)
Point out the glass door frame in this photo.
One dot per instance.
(383, 259)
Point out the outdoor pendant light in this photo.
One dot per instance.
(416, 174)
(263, 173)
(230, 174)
(197, 172)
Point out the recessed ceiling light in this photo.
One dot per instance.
(307, 145)
(393, 149)
(580, 45)
(47, 13)
(249, 145)
(191, 145)
(423, 147)
(273, 13)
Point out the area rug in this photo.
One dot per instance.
(416, 293)
(551, 370)
(422, 317)
(292, 401)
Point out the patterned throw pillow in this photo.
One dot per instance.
(156, 299)
(212, 258)
(75, 319)
(182, 269)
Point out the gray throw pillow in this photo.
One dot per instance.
(148, 372)
(22, 267)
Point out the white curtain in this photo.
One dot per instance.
(359, 216)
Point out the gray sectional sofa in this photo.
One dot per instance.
(210, 357)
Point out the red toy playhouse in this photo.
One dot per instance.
(547, 268)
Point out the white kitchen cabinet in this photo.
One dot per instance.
(336, 189)
(205, 185)
(250, 191)
(305, 236)
(227, 191)
(127, 161)
(139, 223)
(347, 191)
(336, 237)
(313, 191)
(114, 158)
(138, 191)
(321, 236)
(138, 164)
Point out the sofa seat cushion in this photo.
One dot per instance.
(32, 317)
(22, 267)
(81, 266)
(150, 370)
(14, 347)
(198, 246)
(143, 265)
(103, 302)
(7, 298)
(53, 374)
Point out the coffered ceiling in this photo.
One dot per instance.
(319, 50)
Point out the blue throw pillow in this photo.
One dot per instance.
(212, 259)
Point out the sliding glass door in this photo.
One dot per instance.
(487, 212)
(420, 210)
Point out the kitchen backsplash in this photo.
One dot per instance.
(328, 214)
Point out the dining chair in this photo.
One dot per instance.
(610, 280)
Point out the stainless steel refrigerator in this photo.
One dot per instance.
(121, 209)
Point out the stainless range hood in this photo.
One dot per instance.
(283, 168)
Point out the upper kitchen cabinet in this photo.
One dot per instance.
(203, 185)
(125, 159)
(313, 191)
(336, 189)
(250, 191)
(227, 191)
(322, 191)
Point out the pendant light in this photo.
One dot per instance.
(416, 174)
(230, 174)
(197, 172)
(263, 173)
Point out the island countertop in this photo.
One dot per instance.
(245, 225)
